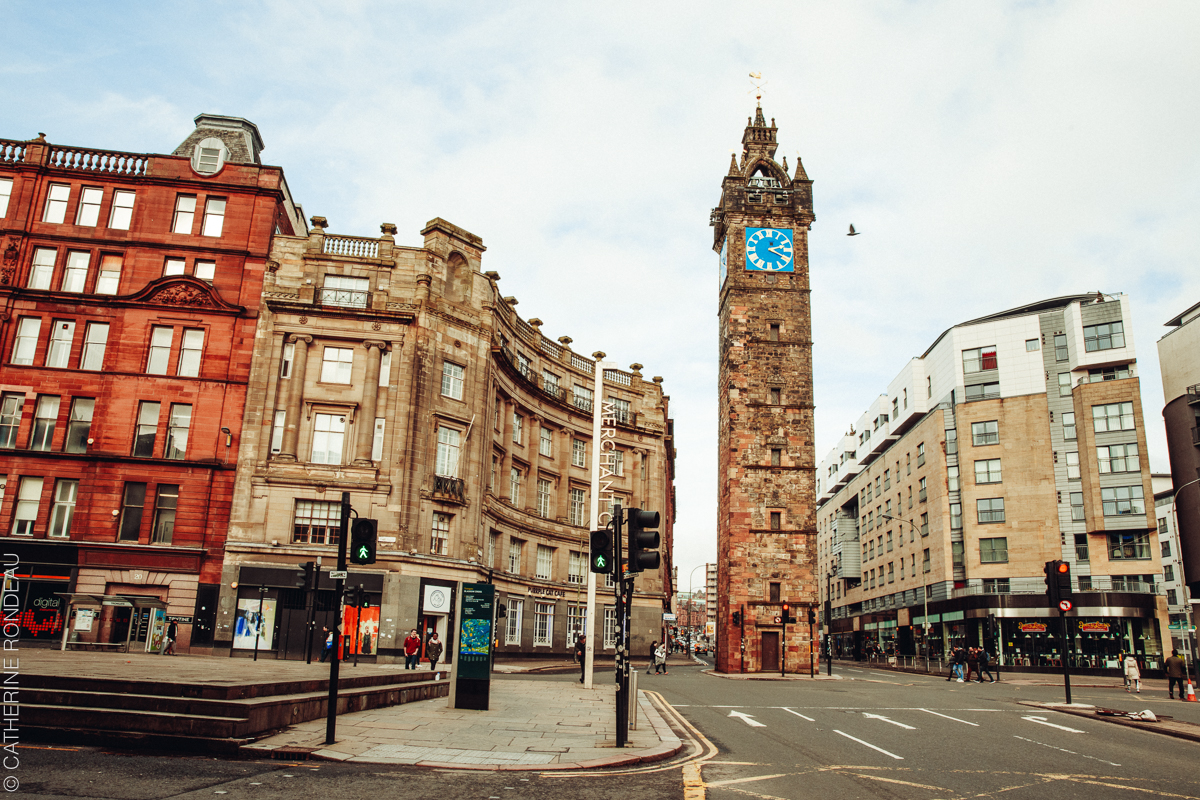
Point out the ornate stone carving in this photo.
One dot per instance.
(182, 294)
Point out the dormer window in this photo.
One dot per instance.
(209, 156)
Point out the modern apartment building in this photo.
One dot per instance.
(1179, 361)
(1173, 574)
(1015, 439)
(131, 284)
(400, 375)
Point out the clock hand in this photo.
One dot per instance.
(777, 252)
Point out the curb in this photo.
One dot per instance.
(1176, 728)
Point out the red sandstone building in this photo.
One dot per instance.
(131, 285)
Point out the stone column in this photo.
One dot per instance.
(291, 423)
(370, 397)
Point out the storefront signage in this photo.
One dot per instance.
(545, 592)
(1093, 627)
(1032, 627)
(437, 600)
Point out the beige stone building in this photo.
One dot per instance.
(1014, 440)
(400, 375)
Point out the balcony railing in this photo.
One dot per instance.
(351, 246)
(345, 298)
(103, 161)
(450, 487)
(1083, 584)
(11, 152)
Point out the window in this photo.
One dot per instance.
(42, 267)
(447, 452)
(925, 524)
(1172, 597)
(776, 520)
(543, 623)
(75, 274)
(95, 338)
(979, 359)
(25, 343)
(1081, 547)
(185, 214)
(993, 551)
(65, 492)
(1112, 417)
(987, 471)
(452, 380)
(179, 421)
(982, 391)
(549, 383)
(910, 497)
(205, 270)
(493, 537)
(329, 434)
(1072, 466)
(1108, 336)
(921, 454)
(1032, 345)
(610, 627)
(922, 492)
(545, 560)
(62, 334)
(985, 433)
(887, 480)
(377, 439)
(518, 425)
(514, 486)
(616, 462)
(514, 555)
(1060, 347)
(578, 511)
(345, 291)
(776, 397)
(889, 541)
(285, 361)
(516, 609)
(440, 541)
(579, 453)
(160, 350)
(147, 426)
(990, 509)
(1168, 573)
(952, 479)
(582, 398)
(545, 441)
(1076, 499)
(576, 567)
(29, 498)
(956, 521)
(45, 418)
(337, 363)
(1166, 543)
(79, 424)
(190, 349)
(316, 522)
(1128, 545)
(525, 365)
(121, 215)
(621, 410)
(56, 203)
(214, 216)
(543, 498)
(11, 407)
(277, 432)
(773, 332)
(925, 560)
(1117, 373)
(164, 514)
(1064, 384)
(88, 213)
(132, 503)
(110, 275)
(891, 572)
(951, 442)
(5, 193)
(776, 456)
(1118, 458)
(385, 369)
(574, 620)
(1122, 500)
(1068, 423)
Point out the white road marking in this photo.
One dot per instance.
(956, 719)
(745, 780)
(746, 718)
(1072, 752)
(798, 714)
(1042, 721)
(868, 744)
(892, 721)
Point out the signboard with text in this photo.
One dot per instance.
(473, 672)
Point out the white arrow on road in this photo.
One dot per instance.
(892, 721)
(1042, 721)
(746, 718)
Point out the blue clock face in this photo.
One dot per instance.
(768, 250)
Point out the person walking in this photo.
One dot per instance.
(412, 650)
(433, 649)
(1176, 672)
(985, 661)
(1121, 662)
(580, 651)
(973, 663)
(660, 658)
(328, 649)
(1133, 674)
(173, 631)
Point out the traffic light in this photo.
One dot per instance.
(993, 627)
(787, 613)
(737, 618)
(812, 616)
(304, 575)
(602, 552)
(1058, 585)
(362, 541)
(643, 543)
(351, 596)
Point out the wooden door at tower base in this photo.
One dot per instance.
(770, 651)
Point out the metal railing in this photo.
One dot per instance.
(345, 298)
(450, 487)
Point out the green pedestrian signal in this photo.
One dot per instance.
(362, 541)
(602, 552)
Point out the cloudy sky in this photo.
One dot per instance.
(992, 154)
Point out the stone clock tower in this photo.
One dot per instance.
(766, 530)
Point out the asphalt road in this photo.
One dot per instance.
(884, 734)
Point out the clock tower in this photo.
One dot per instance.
(766, 529)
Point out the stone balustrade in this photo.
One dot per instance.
(356, 246)
(104, 161)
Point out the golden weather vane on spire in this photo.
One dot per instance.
(756, 79)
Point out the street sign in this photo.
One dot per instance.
(668, 616)
(338, 574)
(1065, 605)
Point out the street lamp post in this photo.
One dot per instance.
(1187, 595)
(828, 614)
(691, 601)
(924, 593)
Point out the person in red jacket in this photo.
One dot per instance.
(412, 650)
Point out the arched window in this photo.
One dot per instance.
(209, 156)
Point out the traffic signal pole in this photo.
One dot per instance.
(623, 634)
(339, 587)
(1062, 616)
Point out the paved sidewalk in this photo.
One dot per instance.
(530, 724)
